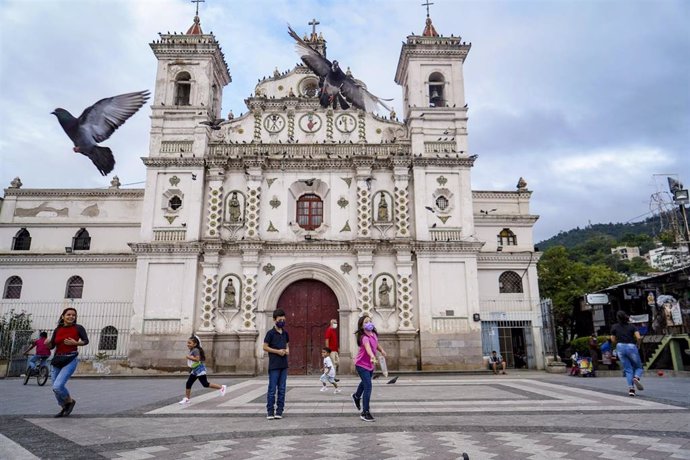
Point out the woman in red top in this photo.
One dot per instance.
(65, 339)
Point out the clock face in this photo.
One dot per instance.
(310, 123)
(345, 123)
(274, 123)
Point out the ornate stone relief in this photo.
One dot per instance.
(253, 212)
(342, 202)
(275, 202)
(364, 294)
(362, 127)
(234, 208)
(363, 211)
(274, 123)
(215, 209)
(345, 123)
(271, 227)
(249, 303)
(405, 302)
(346, 227)
(270, 181)
(346, 268)
(348, 181)
(441, 181)
(269, 268)
(170, 219)
(174, 180)
(207, 305)
(310, 122)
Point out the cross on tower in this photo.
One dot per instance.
(197, 5)
(313, 25)
(427, 4)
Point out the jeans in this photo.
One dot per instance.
(277, 378)
(364, 388)
(630, 357)
(31, 363)
(60, 378)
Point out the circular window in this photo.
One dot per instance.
(442, 203)
(309, 87)
(175, 203)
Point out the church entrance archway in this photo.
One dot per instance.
(309, 306)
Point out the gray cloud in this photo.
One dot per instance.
(586, 100)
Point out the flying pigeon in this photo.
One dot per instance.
(97, 123)
(337, 88)
(393, 380)
(214, 124)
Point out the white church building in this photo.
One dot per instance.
(324, 213)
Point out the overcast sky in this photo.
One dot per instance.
(587, 100)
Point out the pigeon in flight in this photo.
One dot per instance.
(214, 124)
(337, 88)
(97, 123)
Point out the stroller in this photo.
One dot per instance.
(585, 367)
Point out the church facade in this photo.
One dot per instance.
(325, 213)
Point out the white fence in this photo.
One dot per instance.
(107, 323)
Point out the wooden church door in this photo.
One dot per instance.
(309, 306)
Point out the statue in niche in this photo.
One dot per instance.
(382, 215)
(230, 300)
(234, 209)
(384, 294)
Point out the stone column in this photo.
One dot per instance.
(253, 201)
(401, 181)
(250, 273)
(209, 287)
(365, 265)
(363, 177)
(214, 209)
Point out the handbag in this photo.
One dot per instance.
(61, 361)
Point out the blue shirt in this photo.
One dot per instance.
(277, 341)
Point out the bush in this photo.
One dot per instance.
(581, 344)
(9, 342)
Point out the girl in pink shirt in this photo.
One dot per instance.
(367, 339)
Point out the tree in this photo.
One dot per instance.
(564, 280)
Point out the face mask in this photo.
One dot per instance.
(369, 327)
(280, 324)
(334, 325)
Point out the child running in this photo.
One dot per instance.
(328, 371)
(195, 360)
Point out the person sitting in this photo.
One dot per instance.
(496, 360)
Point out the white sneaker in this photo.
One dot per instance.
(222, 389)
(336, 391)
(324, 388)
(184, 401)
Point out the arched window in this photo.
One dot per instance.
(75, 288)
(507, 238)
(13, 288)
(183, 88)
(309, 211)
(108, 340)
(509, 282)
(81, 241)
(442, 203)
(21, 241)
(437, 90)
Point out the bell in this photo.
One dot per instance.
(434, 95)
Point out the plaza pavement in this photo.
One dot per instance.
(522, 415)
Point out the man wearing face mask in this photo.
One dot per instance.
(331, 342)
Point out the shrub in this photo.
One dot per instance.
(9, 342)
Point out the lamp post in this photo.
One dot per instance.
(681, 198)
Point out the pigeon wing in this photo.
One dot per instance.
(360, 97)
(102, 119)
(317, 63)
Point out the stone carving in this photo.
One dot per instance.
(346, 268)
(382, 214)
(115, 183)
(234, 209)
(348, 181)
(384, 294)
(346, 227)
(171, 219)
(230, 295)
(16, 183)
(441, 181)
(269, 269)
(270, 181)
(271, 227)
(174, 180)
(522, 184)
(342, 202)
(42, 210)
(275, 202)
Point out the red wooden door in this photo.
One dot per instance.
(309, 306)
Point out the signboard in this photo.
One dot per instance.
(597, 299)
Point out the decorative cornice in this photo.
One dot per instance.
(309, 151)
(167, 162)
(444, 162)
(128, 193)
(468, 247)
(180, 247)
(75, 223)
(508, 257)
(483, 220)
(498, 194)
(67, 259)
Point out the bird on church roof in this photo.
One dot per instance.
(337, 88)
(214, 124)
(97, 123)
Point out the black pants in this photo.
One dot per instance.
(192, 378)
